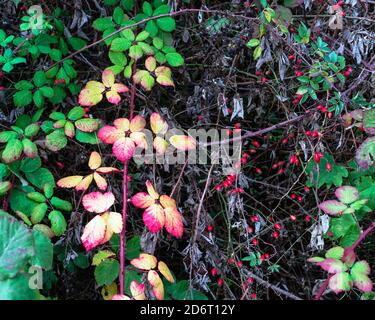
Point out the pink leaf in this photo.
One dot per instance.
(123, 149)
(173, 222)
(100, 182)
(110, 134)
(158, 124)
(137, 124)
(113, 97)
(98, 202)
(142, 200)
(120, 88)
(144, 262)
(108, 78)
(93, 233)
(332, 207)
(183, 143)
(154, 218)
(156, 284)
(137, 290)
(332, 265)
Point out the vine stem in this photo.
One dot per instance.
(170, 14)
(125, 196)
(123, 232)
(362, 237)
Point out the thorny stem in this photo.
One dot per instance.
(123, 232)
(364, 234)
(125, 195)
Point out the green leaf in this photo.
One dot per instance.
(87, 137)
(253, 43)
(152, 28)
(257, 52)
(47, 92)
(360, 272)
(58, 222)
(107, 272)
(38, 99)
(12, 151)
(101, 24)
(56, 141)
(117, 58)
(30, 165)
(22, 98)
(118, 15)
(39, 78)
(166, 24)
(76, 113)
(5, 136)
(135, 52)
(43, 251)
(120, 44)
(61, 204)
(133, 247)
(38, 213)
(147, 8)
(55, 55)
(128, 34)
(335, 253)
(175, 59)
(40, 178)
(17, 288)
(100, 256)
(31, 130)
(77, 43)
(16, 246)
(36, 196)
(142, 36)
(20, 202)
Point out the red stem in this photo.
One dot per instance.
(123, 232)
(125, 197)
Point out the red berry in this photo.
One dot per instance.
(264, 79)
(308, 133)
(231, 260)
(307, 218)
(85, 115)
(255, 143)
(250, 229)
(258, 73)
(87, 109)
(285, 141)
(228, 110)
(255, 242)
(252, 151)
(213, 272)
(299, 73)
(306, 189)
(63, 81)
(275, 234)
(328, 167)
(293, 217)
(291, 57)
(218, 187)
(293, 196)
(57, 81)
(253, 296)
(299, 198)
(342, 13)
(317, 157)
(210, 228)
(277, 226)
(250, 280)
(239, 264)
(258, 170)
(280, 171)
(220, 282)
